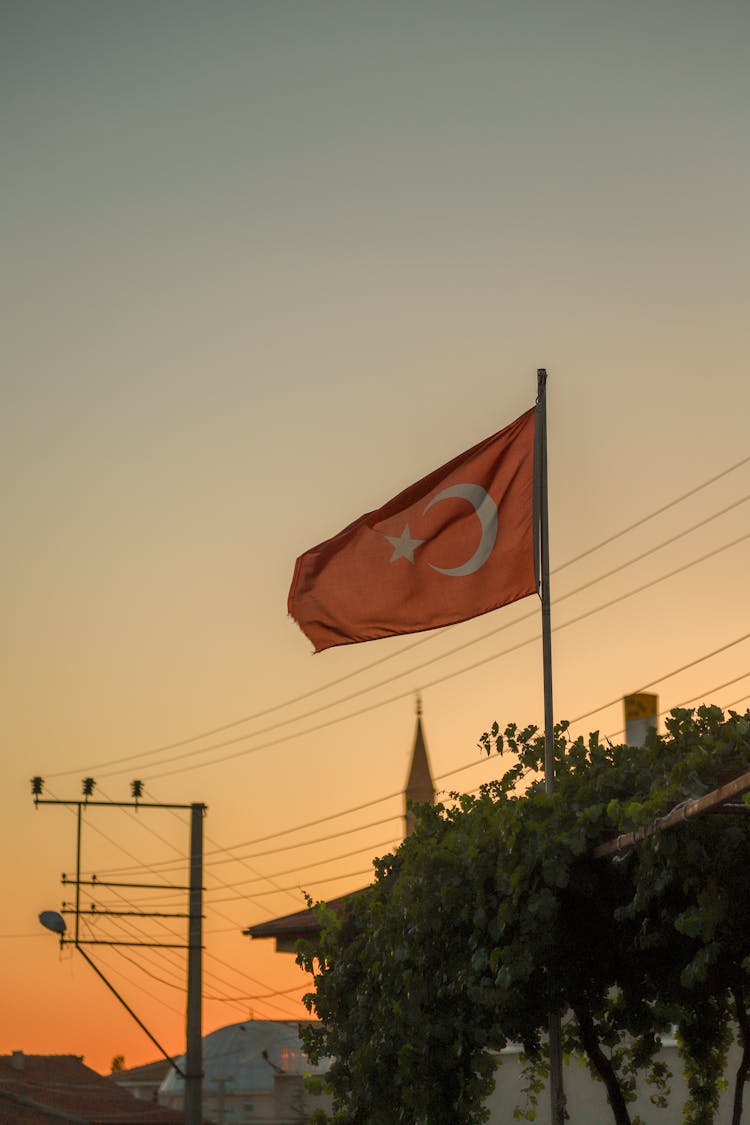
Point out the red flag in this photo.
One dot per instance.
(457, 544)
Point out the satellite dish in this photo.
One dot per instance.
(51, 920)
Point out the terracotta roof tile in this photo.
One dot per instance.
(42, 1089)
(303, 923)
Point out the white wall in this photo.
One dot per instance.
(587, 1099)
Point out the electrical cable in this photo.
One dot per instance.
(703, 694)
(118, 972)
(442, 679)
(287, 832)
(253, 980)
(655, 513)
(91, 923)
(471, 764)
(314, 883)
(230, 999)
(292, 847)
(666, 676)
(316, 840)
(175, 959)
(442, 656)
(155, 867)
(724, 707)
(378, 800)
(431, 636)
(305, 866)
(131, 926)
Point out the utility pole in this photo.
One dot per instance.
(193, 1073)
(194, 1059)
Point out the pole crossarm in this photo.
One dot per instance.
(114, 804)
(129, 886)
(96, 912)
(78, 942)
(709, 802)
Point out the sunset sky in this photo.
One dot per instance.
(264, 265)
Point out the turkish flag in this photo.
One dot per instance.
(457, 544)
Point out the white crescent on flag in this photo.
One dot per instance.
(486, 510)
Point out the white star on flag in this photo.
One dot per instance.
(404, 546)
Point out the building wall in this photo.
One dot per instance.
(587, 1098)
(288, 1103)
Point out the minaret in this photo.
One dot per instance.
(419, 786)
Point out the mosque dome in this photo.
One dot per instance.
(246, 1057)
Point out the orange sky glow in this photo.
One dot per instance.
(265, 266)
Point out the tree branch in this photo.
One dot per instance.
(602, 1065)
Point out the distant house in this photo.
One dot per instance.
(54, 1089)
(142, 1081)
(253, 1073)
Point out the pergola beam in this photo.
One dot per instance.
(709, 802)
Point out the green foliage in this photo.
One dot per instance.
(494, 913)
(704, 1037)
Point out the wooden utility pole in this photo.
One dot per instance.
(193, 1072)
(194, 1059)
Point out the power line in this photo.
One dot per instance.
(655, 513)
(139, 863)
(322, 882)
(734, 702)
(665, 676)
(316, 840)
(307, 843)
(432, 635)
(244, 861)
(441, 656)
(278, 992)
(297, 828)
(253, 980)
(469, 643)
(92, 921)
(482, 762)
(173, 958)
(283, 833)
(130, 758)
(320, 820)
(448, 676)
(169, 865)
(703, 694)
(180, 987)
(235, 999)
(296, 847)
(305, 866)
(118, 972)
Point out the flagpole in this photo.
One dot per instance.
(557, 1092)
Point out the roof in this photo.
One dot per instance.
(302, 924)
(249, 1056)
(50, 1089)
(153, 1072)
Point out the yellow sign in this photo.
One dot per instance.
(641, 706)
